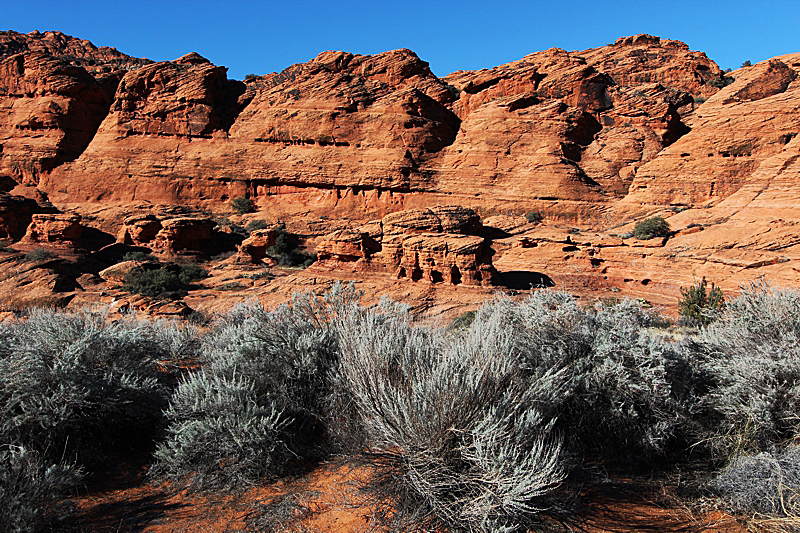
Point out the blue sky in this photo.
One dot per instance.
(249, 36)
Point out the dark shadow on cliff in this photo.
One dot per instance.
(522, 280)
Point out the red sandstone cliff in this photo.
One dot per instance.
(597, 137)
(376, 132)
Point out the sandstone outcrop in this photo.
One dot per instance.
(600, 137)
(16, 213)
(254, 248)
(171, 236)
(735, 132)
(56, 229)
(55, 91)
(139, 230)
(437, 245)
(183, 234)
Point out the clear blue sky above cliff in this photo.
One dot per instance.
(265, 36)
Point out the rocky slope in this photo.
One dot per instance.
(591, 140)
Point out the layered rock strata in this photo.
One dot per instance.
(436, 245)
(345, 133)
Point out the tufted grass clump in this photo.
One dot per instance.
(38, 254)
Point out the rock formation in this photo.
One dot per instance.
(356, 152)
(16, 213)
(382, 133)
(254, 248)
(50, 105)
(57, 229)
(436, 245)
(168, 237)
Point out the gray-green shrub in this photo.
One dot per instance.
(258, 404)
(627, 393)
(464, 440)
(74, 385)
(748, 363)
(767, 483)
(32, 492)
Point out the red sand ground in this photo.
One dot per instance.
(328, 500)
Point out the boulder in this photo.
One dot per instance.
(254, 248)
(183, 235)
(59, 229)
(139, 230)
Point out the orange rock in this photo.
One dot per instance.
(16, 214)
(254, 248)
(183, 234)
(418, 244)
(139, 230)
(53, 229)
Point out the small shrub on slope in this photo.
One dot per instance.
(699, 305)
(651, 228)
(285, 250)
(162, 281)
(243, 205)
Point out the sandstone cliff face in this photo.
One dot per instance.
(50, 105)
(177, 131)
(635, 128)
(573, 125)
(380, 133)
(734, 132)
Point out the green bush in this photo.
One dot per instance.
(243, 205)
(651, 227)
(534, 217)
(39, 254)
(169, 280)
(285, 250)
(699, 305)
(257, 224)
(139, 256)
